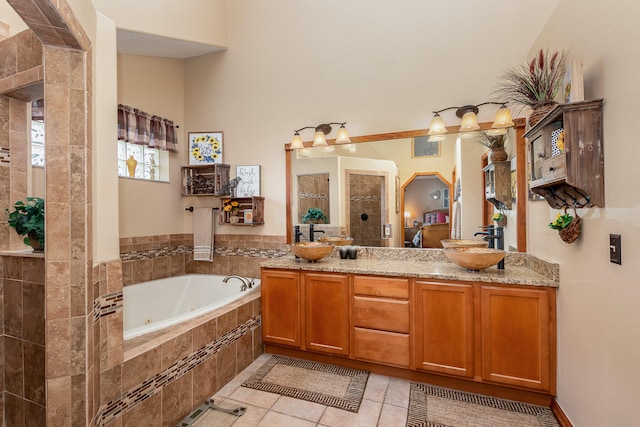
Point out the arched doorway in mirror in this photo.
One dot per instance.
(426, 207)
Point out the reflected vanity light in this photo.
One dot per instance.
(319, 138)
(469, 123)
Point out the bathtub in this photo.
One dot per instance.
(157, 304)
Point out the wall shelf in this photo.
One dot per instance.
(566, 156)
(205, 180)
(250, 211)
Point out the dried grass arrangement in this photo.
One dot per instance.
(534, 84)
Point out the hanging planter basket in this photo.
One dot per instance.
(571, 232)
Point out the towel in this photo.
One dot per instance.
(203, 231)
(417, 239)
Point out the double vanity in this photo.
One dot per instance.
(412, 314)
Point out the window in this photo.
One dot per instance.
(151, 164)
(37, 142)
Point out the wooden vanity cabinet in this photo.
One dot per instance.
(444, 322)
(518, 336)
(326, 312)
(381, 320)
(485, 333)
(281, 316)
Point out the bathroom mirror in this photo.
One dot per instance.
(393, 161)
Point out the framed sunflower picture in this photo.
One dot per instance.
(205, 148)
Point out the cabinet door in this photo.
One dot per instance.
(326, 298)
(518, 342)
(444, 328)
(280, 307)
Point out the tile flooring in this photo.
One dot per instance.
(385, 403)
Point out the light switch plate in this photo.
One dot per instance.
(615, 248)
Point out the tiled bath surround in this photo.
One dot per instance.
(155, 257)
(167, 373)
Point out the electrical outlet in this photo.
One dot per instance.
(615, 248)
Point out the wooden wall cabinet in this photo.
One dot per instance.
(518, 337)
(497, 184)
(381, 320)
(444, 339)
(566, 156)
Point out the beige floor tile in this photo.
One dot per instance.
(254, 397)
(376, 387)
(398, 393)
(275, 419)
(367, 416)
(298, 408)
(392, 416)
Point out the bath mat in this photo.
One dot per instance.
(432, 406)
(328, 385)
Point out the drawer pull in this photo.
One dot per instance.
(551, 169)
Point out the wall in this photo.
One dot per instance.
(598, 321)
(469, 171)
(298, 63)
(417, 200)
(204, 21)
(154, 85)
(11, 18)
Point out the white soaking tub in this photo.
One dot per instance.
(157, 304)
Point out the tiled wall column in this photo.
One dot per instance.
(68, 228)
(23, 341)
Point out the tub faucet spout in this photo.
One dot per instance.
(246, 282)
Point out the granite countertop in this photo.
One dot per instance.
(520, 269)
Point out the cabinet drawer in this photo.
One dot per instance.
(555, 168)
(381, 287)
(388, 348)
(383, 314)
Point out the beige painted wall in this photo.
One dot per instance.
(106, 244)
(598, 316)
(154, 85)
(376, 65)
(9, 16)
(202, 21)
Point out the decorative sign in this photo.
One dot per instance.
(205, 148)
(249, 181)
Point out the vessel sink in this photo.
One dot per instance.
(336, 241)
(474, 258)
(464, 243)
(312, 251)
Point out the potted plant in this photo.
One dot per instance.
(534, 83)
(314, 215)
(28, 220)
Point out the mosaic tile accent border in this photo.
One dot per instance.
(154, 253)
(241, 252)
(364, 198)
(303, 195)
(5, 156)
(107, 304)
(153, 385)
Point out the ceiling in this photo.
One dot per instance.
(133, 43)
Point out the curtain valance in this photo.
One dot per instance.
(138, 127)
